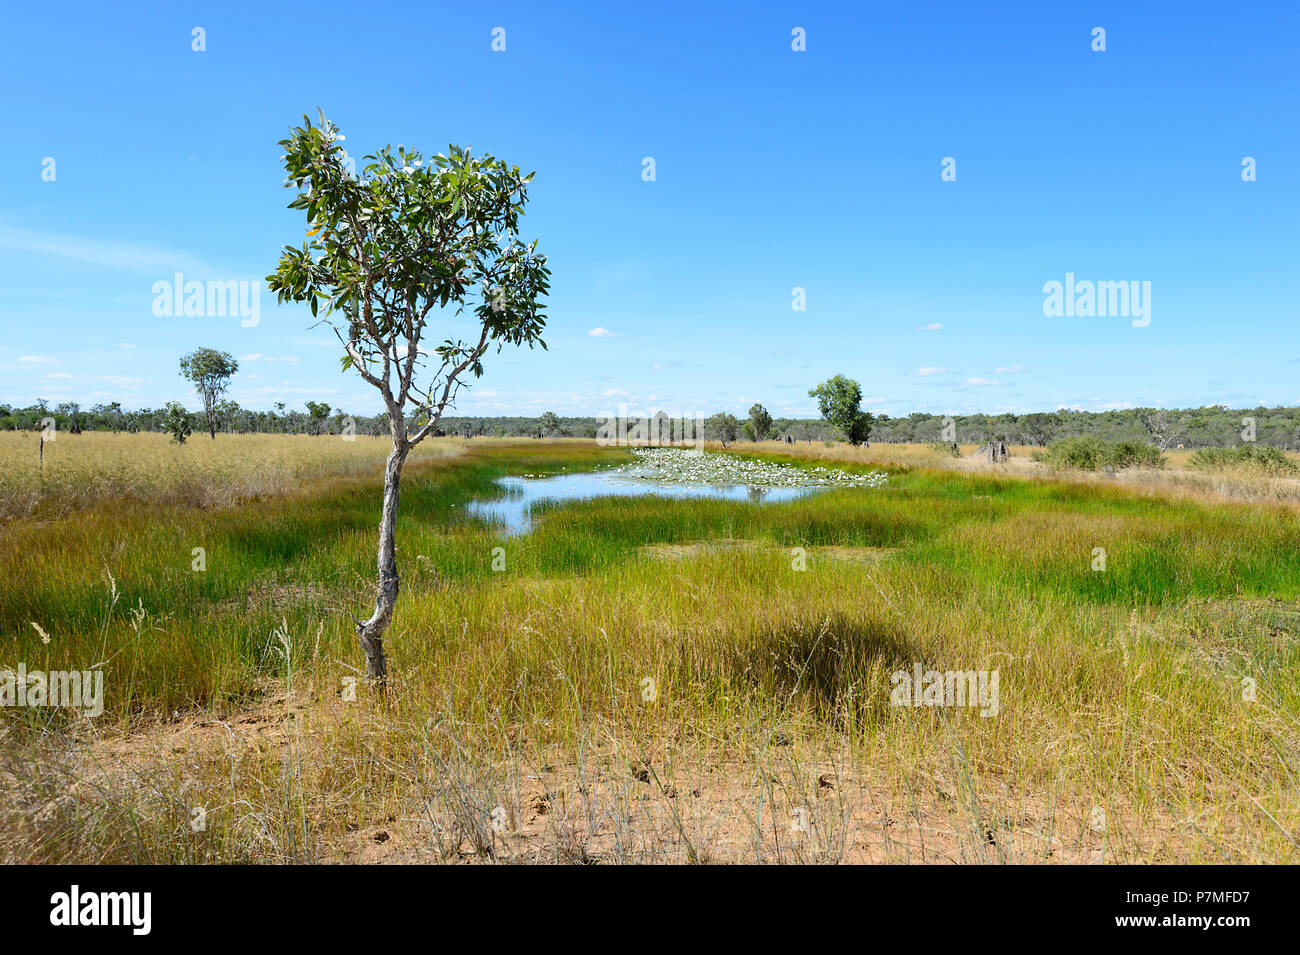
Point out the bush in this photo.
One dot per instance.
(1135, 454)
(1249, 457)
(1091, 454)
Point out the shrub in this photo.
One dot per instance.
(1091, 454)
(1135, 454)
(1260, 458)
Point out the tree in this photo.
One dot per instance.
(227, 413)
(724, 427)
(210, 372)
(760, 423)
(1163, 427)
(176, 422)
(550, 424)
(1038, 427)
(319, 411)
(383, 250)
(72, 411)
(839, 400)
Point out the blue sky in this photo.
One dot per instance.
(775, 169)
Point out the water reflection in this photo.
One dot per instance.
(513, 509)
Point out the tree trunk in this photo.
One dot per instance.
(371, 632)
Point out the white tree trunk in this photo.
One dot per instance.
(371, 632)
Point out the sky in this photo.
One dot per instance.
(130, 156)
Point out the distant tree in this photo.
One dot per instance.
(550, 424)
(1038, 428)
(384, 247)
(1163, 427)
(661, 428)
(176, 422)
(227, 414)
(722, 427)
(839, 400)
(72, 411)
(760, 423)
(210, 372)
(319, 412)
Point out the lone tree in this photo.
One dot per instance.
(176, 422)
(210, 371)
(759, 425)
(839, 399)
(383, 250)
(550, 424)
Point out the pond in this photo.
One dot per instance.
(664, 472)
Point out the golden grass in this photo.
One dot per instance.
(82, 469)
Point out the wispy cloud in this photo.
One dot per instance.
(258, 356)
(37, 359)
(1009, 370)
(112, 253)
(600, 331)
(927, 372)
(932, 327)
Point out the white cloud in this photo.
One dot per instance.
(61, 374)
(1009, 370)
(36, 359)
(927, 372)
(121, 380)
(126, 345)
(601, 331)
(932, 327)
(258, 356)
(980, 382)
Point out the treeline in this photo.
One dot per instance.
(1215, 426)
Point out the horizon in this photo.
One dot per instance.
(1072, 165)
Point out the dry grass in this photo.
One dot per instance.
(81, 470)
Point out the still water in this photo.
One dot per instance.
(513, 510)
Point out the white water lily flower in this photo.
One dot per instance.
(674, 464)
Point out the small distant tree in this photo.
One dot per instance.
(384, 249)
(1163, 427)
(176, 422)
(760, 423)
(840, 401)
(550, 424)
(723, 427)
(210, 372)
(319, 412)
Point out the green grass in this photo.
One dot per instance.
(1121, 686)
